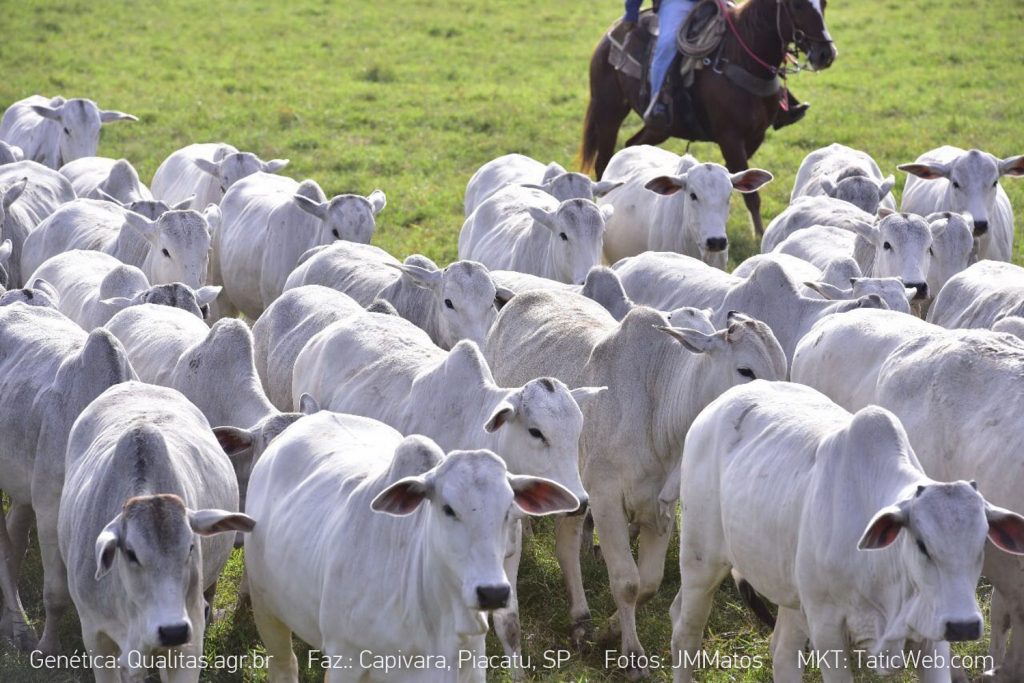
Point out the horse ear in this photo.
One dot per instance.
(750, 180)
(666, 185)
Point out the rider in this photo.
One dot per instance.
(671, 15)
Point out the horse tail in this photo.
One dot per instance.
(588, 147)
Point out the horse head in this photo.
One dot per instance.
(809, 31)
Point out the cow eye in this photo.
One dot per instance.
(956, 185)
(887, 246)
(693, 196)
(923, 549)
(132, 557)
(67, 132)
(335, 233)
(165, 253)
(448, 304)
(565, 238)
(536, 433)
(994, 183)
(746, 372)
(930, 252)
(191, 548)
(448, 511)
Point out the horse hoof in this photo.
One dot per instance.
(582, 633)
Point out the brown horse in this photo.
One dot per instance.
(734, 116)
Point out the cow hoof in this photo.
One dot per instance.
(24, 639)
(636, 673)
(582, 633)
(595, 550)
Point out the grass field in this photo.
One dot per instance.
(413, 96)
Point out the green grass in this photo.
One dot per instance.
(413, 96)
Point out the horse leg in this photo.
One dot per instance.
(647, 136)
(734, 150)
(608, 124)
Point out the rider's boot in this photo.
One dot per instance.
(658, 115)
(786, 117)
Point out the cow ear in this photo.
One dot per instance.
(109, 116)
(694, 341)
(273, 166)
(750, 180)
(603, 187)
(420, 276)
(886, 186)
(545, 218)
(926, 171)
(234, 440)
(883, 211)
(863, 229)
(537, 496)
(1012, 166)
(121, 302)
(1005, 529)
(910, 293)
(378, 200)
(41, 285)
(607, 211)
(308, 405)
(210, 522)
(205, 295)
(828, 186)
(213, 217)
(829, 291)
(505, 412)
(583, 395)
(207, 166)
(12, 192)
(145, 227)
(403, 497)
(553, 170)
(318, 209)
(106, 546)
(52, 113)
(183, 204)
(883, 528)
(666, 184)
(6, 247)
(101, 194)
(502, 295)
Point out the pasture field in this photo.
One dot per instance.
(413, 96)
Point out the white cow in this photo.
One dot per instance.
(10, 153)
(672, 203)
(38, 292)
(658, 379)
(29, 192)
(50, 370)
(151, 208)
(786, 488)
(980, 296)
(518, 169)
(92, 286)
(528, 230)
(666, 280)
(602, 284)
(844, 173)
(268, 223)
(212, 367)
(172, 248)
(149, 497)
(385, 368)
(410, 542)
(804, 212)
(958, 397)
(56, 131)
(201, 173)
(1013, 324)
(954, 248)
(6, 249)
(951, 179)
(102, 178)
(458, 302)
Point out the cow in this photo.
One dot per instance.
(658, 378)
(172, 248)
(268, 222)
(1013, 324)
(954, 249)
(829, 515)
(450, 304)
(672, 203)
(980, 296)
(527, 230)
(50, 370)
(150, 208)
(10, 153)
(56, 131)
(92, 286)
(6, 249)
(143, 518)
(37, 292)
(412, 543)
(101, 178)
(804, 212)
(602, 284)
(966, 181)
(29, 193)
(212, 367)
(201, 173)
(847, 174)
(665, 280)
(518, 169)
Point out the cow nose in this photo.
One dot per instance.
(582, 509)
(963, 630)
(717, 243)
(492, 597)
(980, 228)
(174, 634)
(922, 290)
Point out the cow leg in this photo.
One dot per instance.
(788, 641)
(651, 550)
(934, 674)
(20, 631)
(623, 575)
(277, 639)
(827, 636)
(734, 151)
(244, 599)
(999, 614)
(19, 521)
(506, 621)
(56, 597)
(101, 647)
(701, 571)
(568, 537)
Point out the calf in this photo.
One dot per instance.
(201, 173)
(980, 296)
(101, 178)
(10, 153)
(846, 174)
(672, 203)
(783, 486)
(804, 212)
(413, 543)
(149, 494)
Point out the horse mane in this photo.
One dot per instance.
(754, 19)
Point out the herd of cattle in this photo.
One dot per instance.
(386, 426)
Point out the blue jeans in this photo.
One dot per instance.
(671, 15)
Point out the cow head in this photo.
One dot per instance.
(179, 246)
(576, 233)
(349, 217)
(236, 166)
(78, 122)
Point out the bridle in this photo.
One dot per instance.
(797, 39)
